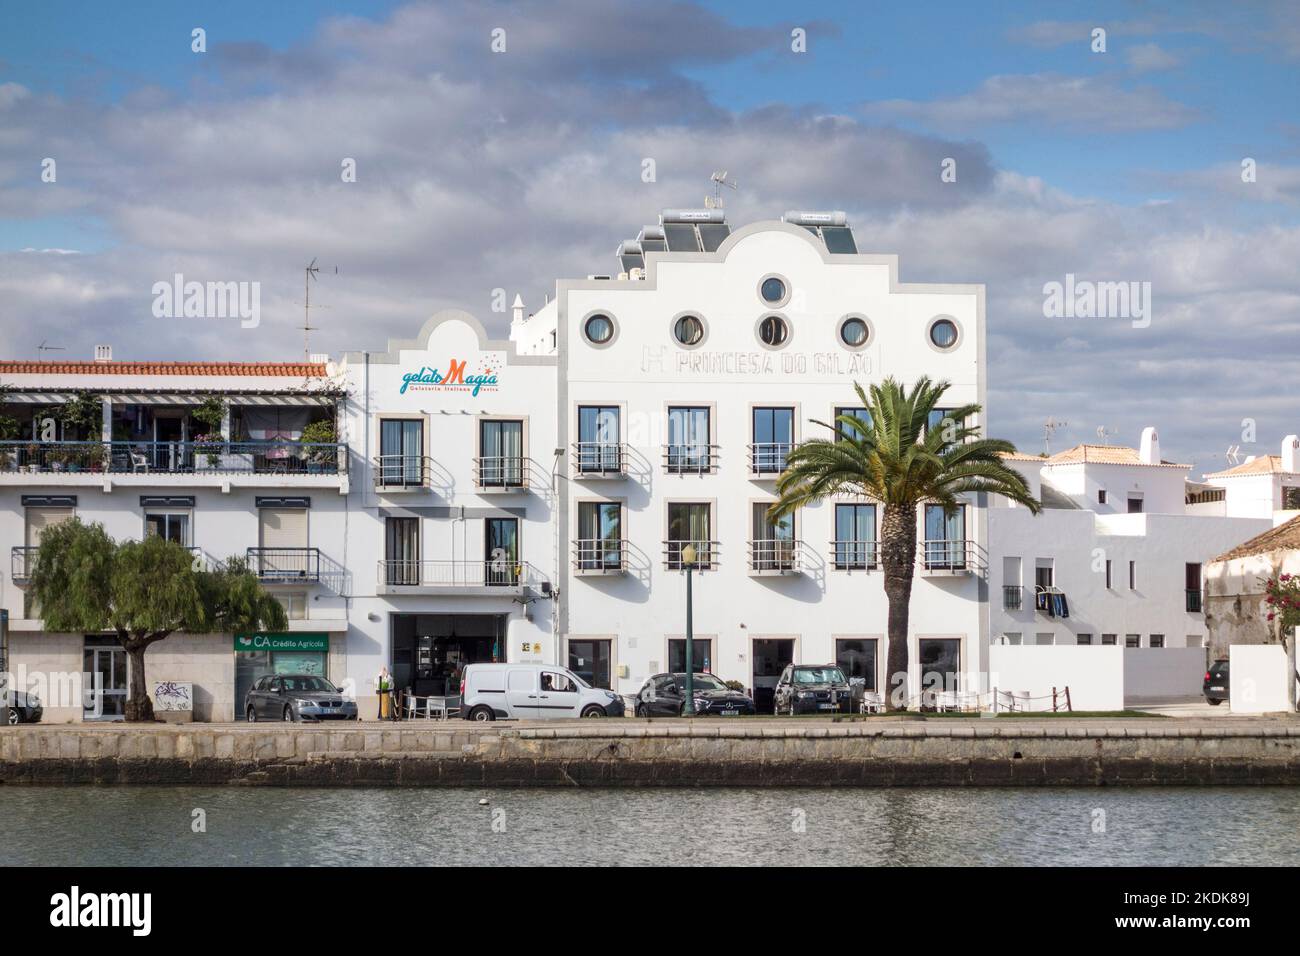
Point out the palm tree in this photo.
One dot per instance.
(896, 459)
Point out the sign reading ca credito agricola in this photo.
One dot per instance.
(282, 642)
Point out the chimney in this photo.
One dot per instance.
(1149, 452)
(1290, 453)
(103, 353)
(518, 308)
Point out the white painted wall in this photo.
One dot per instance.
(1257, 675)
(1155, 673)
(1094, 675)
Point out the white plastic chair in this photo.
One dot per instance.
(139, 462)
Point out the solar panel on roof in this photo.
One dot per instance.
(712, 235)
(839, 239)
(681, 237)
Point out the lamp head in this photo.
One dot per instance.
(689, 554)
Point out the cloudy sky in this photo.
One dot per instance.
(478, 170)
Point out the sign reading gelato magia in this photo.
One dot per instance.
(455, 375)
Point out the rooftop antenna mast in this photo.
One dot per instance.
(1049, 429)
(719, 179)
(1104, 434)
(43, 348)
(309, 275)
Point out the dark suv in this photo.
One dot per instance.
(1216, 683)
(664, 695)
(812, 689)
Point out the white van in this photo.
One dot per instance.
(532, 692)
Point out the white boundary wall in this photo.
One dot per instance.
(1151, 673)
(1095, 675)
(1258, 678)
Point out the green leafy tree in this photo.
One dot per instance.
(895, 459)
(1282, 595)
(143, 591)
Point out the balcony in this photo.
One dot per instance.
(1013, 597)
(600, 556)
(142, 462)
(501, 473)
(706, 555)
(853, 555)
(767, 459)
(285, 565)
(22, 561)
(950, 556)
(594, 459)
(1193, 601)
(402, 472)
(693, 459)
(468, 576)
(774, 556)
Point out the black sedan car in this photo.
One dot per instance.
(664, 695)
(25, 709)
(812, 689)
(1216, 683)
(297, 697)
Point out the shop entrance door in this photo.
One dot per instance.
(771, 655)
(104, 695)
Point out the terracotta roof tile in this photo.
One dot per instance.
(1020, 456)
(1283, 537)
(1263, 465)
(269, 369)
(1105, 455)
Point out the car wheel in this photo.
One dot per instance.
(288, 714)
(639, 710)
(776, 708)
(251, 714)
(1212, 701)
(15, 716)
(594, 711)
(482, 714)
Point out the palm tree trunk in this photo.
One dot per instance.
(898, 556)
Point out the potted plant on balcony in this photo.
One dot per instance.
(9, 431)
(208, 444)
(321, 438)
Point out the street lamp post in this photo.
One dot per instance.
(688, 705)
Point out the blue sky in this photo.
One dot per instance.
(1122, 165)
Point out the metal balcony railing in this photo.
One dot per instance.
(774, 556)
(691, 459)
(402, 471)
(22, 562)
(706, 555)
(951, 555)
(600, 555)
(596, 459)
(1194, 603)
(768, 458)
(285, 565)
(1013, 597)
(854, 555)
(175, 458)
(492, 572)
(501, 471)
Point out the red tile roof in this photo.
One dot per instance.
(1285, 537)
(1263, 465)
(276, 369)
(1106, 455)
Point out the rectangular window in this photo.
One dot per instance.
(599, 448)
(1134, 505)
(401, 452)
(861, 414)
(501, 546)
(1012, 589)
(1156, 640)
(295, 605)
(402, 551)
(1132, 576)
(773, 437)
(857, 658)
(1108, 573)
(1132, 640)
(855, 537)
(501, 453)
(689, 450)
(282, 540)
(701, 655)
(600, 535)
(1083, 639)
(1044, 639)
(689, 523)
(1291, 499)
(936, 419)
(1108, 639)
(1011, 637)
(772, 547)
(945, 538)
(590, 660)
(1192, 587)
(170, 525)
(940, 664)
(1101, 496)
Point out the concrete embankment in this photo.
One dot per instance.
(946, 752)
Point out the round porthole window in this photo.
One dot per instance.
(943, 333)
(774, 291)
(599, 329)
(688, 330)
(855, 332)
(773, 331)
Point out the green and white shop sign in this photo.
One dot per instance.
(297, 643)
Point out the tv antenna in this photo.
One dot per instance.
(1049, 429)
(719, 179)
(43, 348)
(1104, 434)
(310, 273)
(1233, 455)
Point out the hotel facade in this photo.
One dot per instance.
(455, 498)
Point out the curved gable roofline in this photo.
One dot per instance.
(421, 342)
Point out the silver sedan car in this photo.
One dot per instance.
(297, 697)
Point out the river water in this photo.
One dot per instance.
(159, 826)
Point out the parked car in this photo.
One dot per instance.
(297, 697)
(532, 692)
(1216, 683)
(25, 709)
(664, 695)
(812, 689)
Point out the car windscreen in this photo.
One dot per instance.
(818, 675)
(701, 682)
(307, 684)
